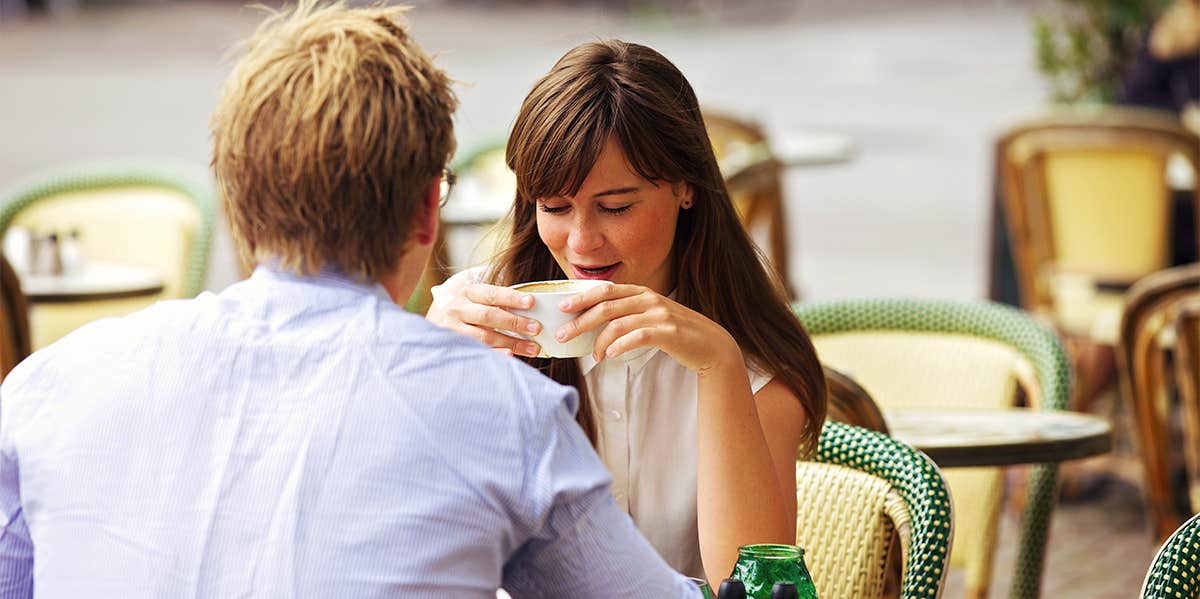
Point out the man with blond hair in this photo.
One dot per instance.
(298, 434)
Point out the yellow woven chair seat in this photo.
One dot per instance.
(939, 370)
(845, 520)
(902, 369)
(138, 226)
(50, 322)
(931, 354)
(1080, 310)
(154, 217)
(1086, 192)
(860, 487)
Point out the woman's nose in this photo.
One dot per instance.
(584, 236)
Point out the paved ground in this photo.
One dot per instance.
(921, 86)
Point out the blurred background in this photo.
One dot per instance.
(918, 88)
(879, 122)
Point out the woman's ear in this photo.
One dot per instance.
(683, 193)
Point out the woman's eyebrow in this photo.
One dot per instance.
(616, 191)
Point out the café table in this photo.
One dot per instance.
(93, 282)
(804, 148)
(1006, 437)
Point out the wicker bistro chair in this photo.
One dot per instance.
(14, 320)
(754, 177)
(850, 403)
(930, 354)
(1187, 381)
(1089, 209)
(861, 489)
(158, 217)
(1144, 344)
(1175, 571)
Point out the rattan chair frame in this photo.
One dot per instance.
(760, 181)
(1187, 382)
(1141, 364)
(1040, 347)
(926, 534)
(1020, 154)
(193, 183)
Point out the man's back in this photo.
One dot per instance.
(287, 438)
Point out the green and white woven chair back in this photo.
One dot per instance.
(915, 477)
(92, 193)
(1175, 572)
(1036, 344)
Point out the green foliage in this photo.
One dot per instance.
(1085, 47)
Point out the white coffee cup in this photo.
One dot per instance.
(547, 295)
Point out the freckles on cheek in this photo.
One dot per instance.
(546, 233)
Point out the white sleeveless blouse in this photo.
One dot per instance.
(645, 408)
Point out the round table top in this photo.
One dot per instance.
(95, 281)
(812, 148)
(958, 437)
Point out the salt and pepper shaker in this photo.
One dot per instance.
(51, 255)
(785, 590)
(731, 588)
(69, 251)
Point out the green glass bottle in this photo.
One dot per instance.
(705, 591)
(759, 567)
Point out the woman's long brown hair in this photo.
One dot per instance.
(613, 88)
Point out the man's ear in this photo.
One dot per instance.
(425, 224)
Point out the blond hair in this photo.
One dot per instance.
(326, 136)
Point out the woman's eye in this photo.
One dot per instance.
(551, 209)
(615, 209)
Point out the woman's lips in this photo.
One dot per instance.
(594, 272)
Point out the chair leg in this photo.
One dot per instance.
(778, 239)
(1035, 529)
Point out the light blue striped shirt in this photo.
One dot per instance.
(302, 437)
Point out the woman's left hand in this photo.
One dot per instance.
(639, 317)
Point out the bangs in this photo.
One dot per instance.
(554, 157)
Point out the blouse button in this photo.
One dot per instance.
(615, 414)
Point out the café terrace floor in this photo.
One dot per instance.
(921, 86)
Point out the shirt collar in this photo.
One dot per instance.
(635, 359)
(329, 276)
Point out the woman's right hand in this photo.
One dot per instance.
(477, 310)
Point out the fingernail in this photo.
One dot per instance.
(507, 352)
(561, 334)
(610, 351)
(527, 301)
(533, 327)
(531, 350)
(565, 305)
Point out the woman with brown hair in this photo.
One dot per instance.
(703, 387)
